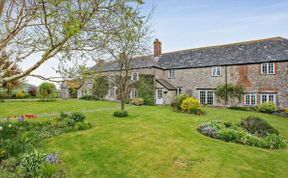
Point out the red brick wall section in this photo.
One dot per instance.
(268, 90)
(243, 76)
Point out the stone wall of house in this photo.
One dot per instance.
(249, 76)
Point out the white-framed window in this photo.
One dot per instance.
(172, 73)
(268, 98)
(112, 93)
(133, 93)
(268, 68)
(250, 99)
(179, 90)
(206, 97)
(216, 71)
(134, 76)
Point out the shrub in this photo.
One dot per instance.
(274, 141)
(189, 104)
(267, 107)
(208, 130)
(137, 101)
(47, 91)
(197, 111)
(234, 133)
(3, 154)
(88, 97)
(120, 113)
(82, 125)
(20, 94)
(257, 126)
(77, 116)
(180, 99)
(231, 135)
(32, 162)
(242, 108)
(286, 110)
(32, 91)
(253, 140)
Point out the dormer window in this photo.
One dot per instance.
(172, 74)
(216, 71)
(134, 76)
(268, 68)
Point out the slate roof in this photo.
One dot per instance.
(166, 84)
(249, 52)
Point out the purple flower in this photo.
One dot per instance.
(52, 158)
(20, 118)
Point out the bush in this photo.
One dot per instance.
(189, 104)
(137, 101)
(77, 116)
(209, 131)
(32, 91)
(32, 162)
(231, 135)
(3, 154)
(47, 91)
(234, 133)
(82, 125)
(20, 94)
(274, 141)
(88, 97)
(242, 108)
(286, 110)
(180, 99)
(197, 111)
(257, 126)
(120, 113)
(268, 107)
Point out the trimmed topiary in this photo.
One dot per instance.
(120, 113)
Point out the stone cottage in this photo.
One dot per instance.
(261, 66)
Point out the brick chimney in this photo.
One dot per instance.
(157, 48)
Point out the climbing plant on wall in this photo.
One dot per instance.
(145, 88)
(101, 86)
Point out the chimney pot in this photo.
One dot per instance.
(157, 48)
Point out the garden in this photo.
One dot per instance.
(152, 141)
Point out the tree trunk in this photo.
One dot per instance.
(122, 105)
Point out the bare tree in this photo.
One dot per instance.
(62, 29)
(129, 38)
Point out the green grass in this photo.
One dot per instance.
(156, 142)
(16, 108)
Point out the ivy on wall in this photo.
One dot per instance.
(101, 86)
(145, 88)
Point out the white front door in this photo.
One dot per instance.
(159, 96)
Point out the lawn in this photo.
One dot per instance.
(156, 142)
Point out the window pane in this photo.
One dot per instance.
(264, 98)
(210, 97)
(253, 100)
(264, 68)
(271, 68)
(271, 98)
(202, 97)
(248, 100)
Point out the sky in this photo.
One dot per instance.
(186, 24)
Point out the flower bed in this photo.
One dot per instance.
(19, 139)
(251, 131)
